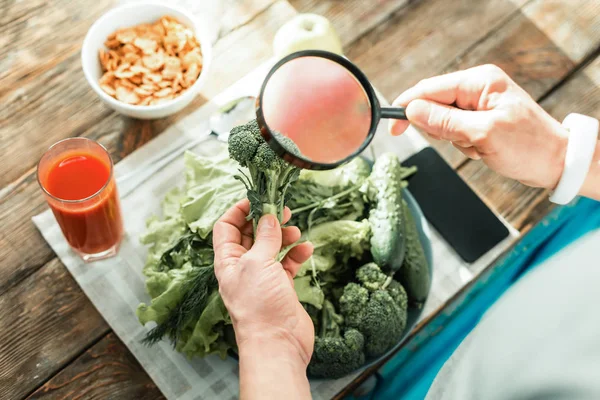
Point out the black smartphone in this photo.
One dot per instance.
(452, 207)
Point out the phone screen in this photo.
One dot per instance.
(452, 207)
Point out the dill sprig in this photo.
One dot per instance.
(196, 290)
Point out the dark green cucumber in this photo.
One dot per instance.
(414, 273)
(387, 220)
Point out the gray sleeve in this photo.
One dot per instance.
(540, 340)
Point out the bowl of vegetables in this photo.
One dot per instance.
(364, 287)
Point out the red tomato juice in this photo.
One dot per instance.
(86, 202)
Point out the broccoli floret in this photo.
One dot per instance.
(396, 290)
(336, 353)
(334, 357)
(264, 158)
(383, 323)
(371, 277)
(376, 307)
(242, 147)
(353, 304)
(268, 176)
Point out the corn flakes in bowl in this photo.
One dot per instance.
(146, 60)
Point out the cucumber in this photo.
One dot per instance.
(387, 216)
(414, 273)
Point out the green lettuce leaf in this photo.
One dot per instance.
(165, 288)
(161, 235)
(209, 328)
(211, 189)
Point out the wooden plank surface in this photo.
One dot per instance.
(351, 18)
(396, 42)
(106, 371)
(23, 256)
(42, 106)
(21, 199)
(420, 40)
(536, 52)
(46, 321)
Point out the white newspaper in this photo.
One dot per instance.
(116, 286)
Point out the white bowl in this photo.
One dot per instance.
(130, 15)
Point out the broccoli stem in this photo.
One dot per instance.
(387, 282)
(406, 172)
(272, 209)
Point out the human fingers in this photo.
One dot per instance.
(227, 231)
(287, 214)
(397, 127)
(234, 220)
(442, 89)
(470, 152)
(461, 88)
(294, 259)
(267, 242)
(289, 235)
(446, 122)
(228, 252)
(247, 235)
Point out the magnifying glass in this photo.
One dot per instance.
(317, 110)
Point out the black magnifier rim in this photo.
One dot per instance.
(300, 161)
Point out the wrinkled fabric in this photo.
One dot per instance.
(540, 340)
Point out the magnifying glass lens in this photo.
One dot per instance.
(320, 106)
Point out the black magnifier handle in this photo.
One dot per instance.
(393, 112)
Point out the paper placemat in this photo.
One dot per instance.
(116, 286)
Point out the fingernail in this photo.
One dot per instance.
(267, 222)
(397, 127)
(418, 112)
(391, 124)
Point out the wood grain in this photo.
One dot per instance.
(533, 55)
(580, 94)
(522, 205)
(105, 371)
(351, 18)
(20, 200)
(23, 250)
(46, 321)
(236, 54)
(419, 40)
(524, 52)
(246, 47)
(53, 101)
(573, 25)
(33, 41)
(238, 13)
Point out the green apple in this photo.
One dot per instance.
(306, 32)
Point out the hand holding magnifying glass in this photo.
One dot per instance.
(324, 104)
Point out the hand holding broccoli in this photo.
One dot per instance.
(258, 290)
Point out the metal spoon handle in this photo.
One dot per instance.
(126, 183)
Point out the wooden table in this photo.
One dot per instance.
(53, 342)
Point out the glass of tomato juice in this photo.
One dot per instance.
(77, 178)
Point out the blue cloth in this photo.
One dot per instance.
(409, 374)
